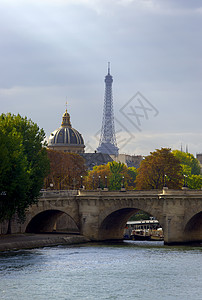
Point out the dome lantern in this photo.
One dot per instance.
(66, 120)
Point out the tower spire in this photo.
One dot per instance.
(186, 148)
(108, 68)
(107, 142)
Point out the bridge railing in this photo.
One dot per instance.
(83, 192)
(52, 193)
(165, 191)
(113, 193)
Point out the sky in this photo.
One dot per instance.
(57, 51)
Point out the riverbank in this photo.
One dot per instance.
(29, 241)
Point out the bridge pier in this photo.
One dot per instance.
(173, 230)
(89, 217)
(179, 208)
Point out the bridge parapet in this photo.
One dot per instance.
(58, 193)
(182, 192)
(134, 193)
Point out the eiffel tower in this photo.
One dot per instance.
(107, 142)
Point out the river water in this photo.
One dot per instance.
(129, 270)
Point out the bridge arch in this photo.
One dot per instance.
(193, 228)
(112, 226)
(46, 221)
(112, 221)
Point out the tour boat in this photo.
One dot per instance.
(140, 235)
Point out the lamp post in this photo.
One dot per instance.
(74, 183)
(185, 181)
(106, 182)
(165, 185)
(99, 182)
(93, 182)
(81, 182)
(123, 183)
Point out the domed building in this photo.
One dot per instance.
(66, 138)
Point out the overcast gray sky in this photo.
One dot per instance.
(53, 51)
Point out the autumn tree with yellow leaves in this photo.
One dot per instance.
(160, 168)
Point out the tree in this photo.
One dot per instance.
(140, 215)
(160, 166)
(132, 173)
(189, 160)
(14, 175)
(190, 169)
(194, 182)
(112, 175)
(24, 164)
(98, 177)
(66, 170)
(190, 180)
(115, 179)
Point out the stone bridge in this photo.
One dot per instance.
(102, 215)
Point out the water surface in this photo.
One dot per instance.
(129, 270)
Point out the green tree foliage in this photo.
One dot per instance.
(110, 175)
(152, 171)
(186, 170)
(140, 215)
(115, 180)
(190, 169)
(194, 182)
(132, 172)
(190, 180)
(23, 165)
(189, 160)
(14, 174)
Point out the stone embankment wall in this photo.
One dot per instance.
(28, 241)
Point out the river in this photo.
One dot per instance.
(129, 270)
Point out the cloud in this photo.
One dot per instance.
(50, 50)
(144, 143)
(48, 45)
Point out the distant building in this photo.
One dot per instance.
(96, 159)
(199, 157)
(128, 160)
(66, 138)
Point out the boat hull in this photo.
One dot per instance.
(137, 237)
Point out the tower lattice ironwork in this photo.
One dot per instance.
(107, 142)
